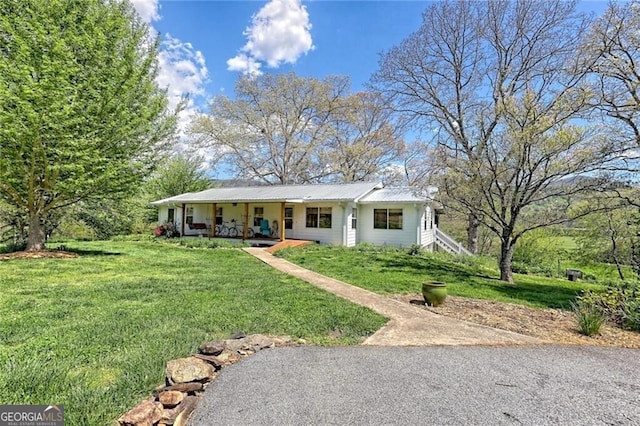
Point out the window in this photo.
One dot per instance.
(387, 218)
(288, 218)
(258, 215)
(312, 217)
(325, 217)
(219, 216)
(318, 217)
(354, 218)
(171, 215)
(189, 219)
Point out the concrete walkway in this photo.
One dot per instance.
(408, 325)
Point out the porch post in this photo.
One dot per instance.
(184, 218)
(246, 221)
(213, 219)
(282, 221)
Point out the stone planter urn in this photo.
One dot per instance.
(434, 292)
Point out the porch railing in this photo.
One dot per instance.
(450, 245)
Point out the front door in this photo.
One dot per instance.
(288, 222)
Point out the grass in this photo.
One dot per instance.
(94, 332)
(392, 271)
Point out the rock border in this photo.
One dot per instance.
(187, 378)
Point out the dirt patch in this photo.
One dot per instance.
(553, 325)
(43, 254)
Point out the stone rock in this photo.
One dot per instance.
(169, 415)
(210, 359)
(238, 335)
(190, 369)
(253, 343)
(170, 398)
(188, 405)
(228, 357)
(212, 348)
(144, 414)
(259, 342)
(282, 340)
(181, 387)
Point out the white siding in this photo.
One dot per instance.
(394, 237)
(324, 236)
(163, 215)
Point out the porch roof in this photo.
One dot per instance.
(276, 193)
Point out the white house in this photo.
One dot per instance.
(340, 214)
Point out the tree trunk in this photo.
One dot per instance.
(614, 254)
(472, 232)
(36, 239)
(506, 254)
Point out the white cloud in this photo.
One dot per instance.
(182, 71)
(279, 33)
(147, 9)
(245, 64)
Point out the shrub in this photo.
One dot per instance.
(11, 246)
(168, 230)
(590, 318)
(414, 250)
(619, 302)
(198, 243)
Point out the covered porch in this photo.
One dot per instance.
(262, 222)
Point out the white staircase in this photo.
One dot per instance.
(450, 245)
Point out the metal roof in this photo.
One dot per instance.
(399, 195)
(276, 193)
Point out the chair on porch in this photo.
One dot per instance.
(264, 227)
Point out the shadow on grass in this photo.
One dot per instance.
(549, 295)
(81, 252)
(543, 295)
(435, 267)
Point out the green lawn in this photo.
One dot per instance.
(391, 271)
(94, 332)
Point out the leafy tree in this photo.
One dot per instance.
(175, 176)
(611, 236)
(80, 113)
(503, 84)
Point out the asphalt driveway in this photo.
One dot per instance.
(428, 385)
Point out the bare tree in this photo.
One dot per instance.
(365, 140)
(274, 127)
(614, 46)
(435, 77)
(500, 83)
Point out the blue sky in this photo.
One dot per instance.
(208, 44)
